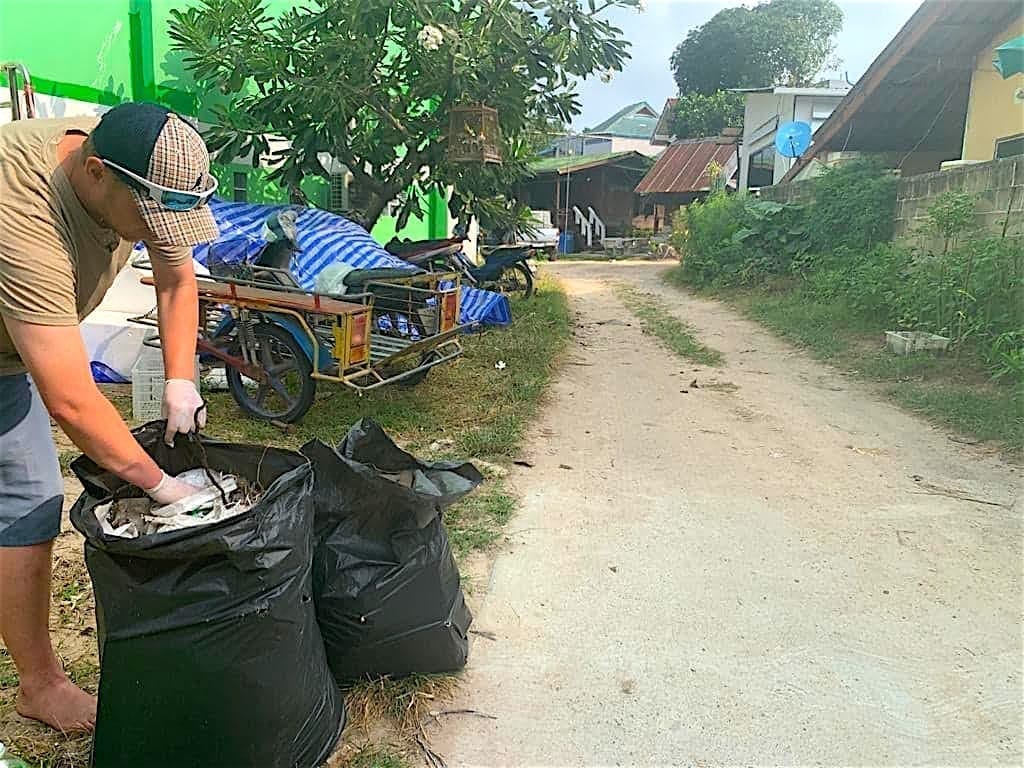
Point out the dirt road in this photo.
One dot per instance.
(745, 573)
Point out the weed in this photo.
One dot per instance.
(656, 318)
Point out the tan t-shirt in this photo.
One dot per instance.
(56, 262)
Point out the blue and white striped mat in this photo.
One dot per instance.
(326, 238)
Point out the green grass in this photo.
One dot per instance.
(65, 458)
(992, 413)
(956, 394)
(475, 522)
(8, 674)
(656, 319)
(375, 757)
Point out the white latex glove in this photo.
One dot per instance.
(180, 406)
(170, 490)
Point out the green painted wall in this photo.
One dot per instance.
(93, 55)
(109, 51)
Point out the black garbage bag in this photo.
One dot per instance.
(385, 582)
(209, 649)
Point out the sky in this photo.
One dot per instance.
(868, 26)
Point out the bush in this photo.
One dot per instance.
(853, 208)
(708, 248)
(733, 240)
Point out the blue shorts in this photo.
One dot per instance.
(31, 487)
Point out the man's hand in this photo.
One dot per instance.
(183, 408)
(178, 309)
(170, 490)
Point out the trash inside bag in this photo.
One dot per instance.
(209, 649)
(385, 582)
(217, 497)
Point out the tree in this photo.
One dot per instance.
(781, 42)
(371, 84)
(698, 115)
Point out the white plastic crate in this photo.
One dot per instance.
(908, 342)
(148, 384)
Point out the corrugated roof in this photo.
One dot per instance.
(571, 163)
(628, 122)
(683, 166)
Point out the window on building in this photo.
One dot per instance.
(762, 168)
(1010, 146)
(240, 187)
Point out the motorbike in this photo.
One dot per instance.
(506, 268)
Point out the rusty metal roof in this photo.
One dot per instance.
(683, 166)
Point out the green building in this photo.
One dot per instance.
(88, 55)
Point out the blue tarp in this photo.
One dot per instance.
(326, 238)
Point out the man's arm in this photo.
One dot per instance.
(177, 302)
(55, 357)
(178, 307)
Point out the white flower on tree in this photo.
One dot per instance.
(430, 38)
(607, 75)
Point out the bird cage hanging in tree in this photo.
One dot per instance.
(474, 135)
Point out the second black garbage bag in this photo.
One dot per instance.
(209, 648)
(385, 583)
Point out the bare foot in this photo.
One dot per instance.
(61, 705)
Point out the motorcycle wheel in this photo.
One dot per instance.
(517, 279)
(290, 388)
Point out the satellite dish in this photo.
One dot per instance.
(793, 139)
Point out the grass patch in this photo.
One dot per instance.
(992, 413)
(471, 407)
(656, 318)
(375, 757)
(65, 458)
(475, 523)
(956, 394)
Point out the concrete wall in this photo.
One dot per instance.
(993, 111)
(792, 192)
(993, 184)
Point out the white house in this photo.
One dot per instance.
(768, 108)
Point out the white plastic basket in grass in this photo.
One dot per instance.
(148, 384)
(908, 342)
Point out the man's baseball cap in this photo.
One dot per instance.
(160, 147)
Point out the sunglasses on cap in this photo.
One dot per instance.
(171, 199)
